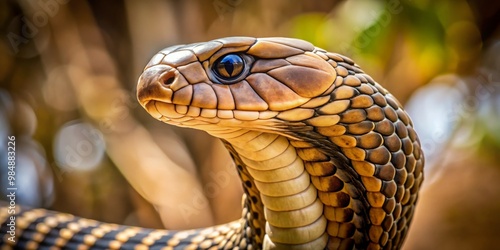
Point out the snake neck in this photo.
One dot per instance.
(282, 208)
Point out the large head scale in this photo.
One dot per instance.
(355, 144)
(244, 78)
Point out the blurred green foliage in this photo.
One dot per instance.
(83, 61)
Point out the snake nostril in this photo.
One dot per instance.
(167, 78)
(169, 81)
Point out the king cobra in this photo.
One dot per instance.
(328, 159)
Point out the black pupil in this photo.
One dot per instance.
(230, 66)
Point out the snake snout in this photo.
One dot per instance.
(154, 84)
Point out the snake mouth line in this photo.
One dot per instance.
(220, 121)
(185, 115)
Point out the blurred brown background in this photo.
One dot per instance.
(68, 71)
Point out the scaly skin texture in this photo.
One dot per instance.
(327, 157)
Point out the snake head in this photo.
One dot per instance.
(354, 139)
(237, 80)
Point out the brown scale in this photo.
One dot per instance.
(374, 129)
(37, 227)
(353, 138)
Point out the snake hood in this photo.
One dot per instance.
(327, 158)
(299, 122)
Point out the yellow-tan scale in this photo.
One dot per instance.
(43, 229)
(327, 157)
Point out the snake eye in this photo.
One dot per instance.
(230, 68)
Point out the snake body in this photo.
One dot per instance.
(327, 157)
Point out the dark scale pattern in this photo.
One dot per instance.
(377, 131)
(356, 142)
(42, 229)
